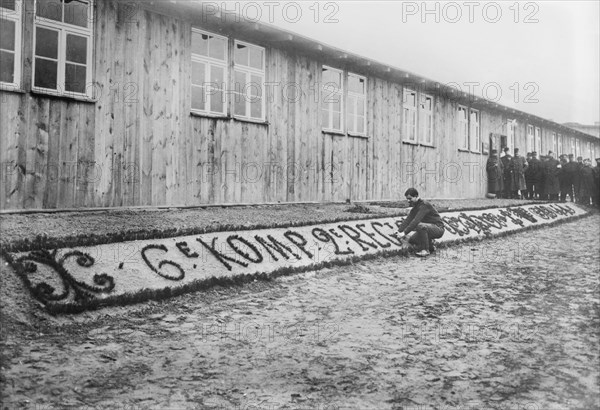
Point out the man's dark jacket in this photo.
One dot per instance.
(422, 212)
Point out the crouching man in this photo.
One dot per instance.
(424, 220)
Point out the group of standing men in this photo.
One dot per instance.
(545, 178)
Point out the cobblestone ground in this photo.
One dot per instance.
(510, 323)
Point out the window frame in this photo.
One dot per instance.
(339, 92)
(16, 16)
(209, 62)
(530, 138)
(463, 127)
(414, 113)
(477, 129)
(537, 135)
(422, 116)
(63, 30)
(555, 143)
(350, 94)
(249, 71)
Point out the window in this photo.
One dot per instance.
(555, 144)
(10, 43)
(530, 139)
(510, 130)
(426, 119)
(463, 127)
(249, 81)
(475, 135)
(577, 148)
(209, 73)
(356, 104)
(573, 146)
(538, 140)
(62, 50)
(410, 115)
(331, 99)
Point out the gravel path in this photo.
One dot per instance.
(510, 323)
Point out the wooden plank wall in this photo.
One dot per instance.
(137, 144)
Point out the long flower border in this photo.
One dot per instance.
(84, 299)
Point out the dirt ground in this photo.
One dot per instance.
(510, 323)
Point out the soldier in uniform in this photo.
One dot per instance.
(495, 174)
(570, 170)
(519, 166)
(563, 179)
(551, 186)
(534, 170)
(586, 182)
(506, 167)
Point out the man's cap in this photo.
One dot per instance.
(494, 151)
(534, 153)
(570, 155)
(516, 150)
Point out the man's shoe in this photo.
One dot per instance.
(432, 249)
(422, 253)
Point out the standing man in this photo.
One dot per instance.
(494, 174)
(424, 220)
(552, 186)
(534, 169)
(506, 160)
(571, 173)
(577, 179)
(563, 178)
(519, 166)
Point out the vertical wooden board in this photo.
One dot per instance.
(281, 159)
(20, 193)
(146, 134)
(300, 150)
(101, 75)
(290, 137)
(11, 117)
(68, 147)
(29, 200)
(85, 156)
(339, 157)
(56, 112)
(312, 130)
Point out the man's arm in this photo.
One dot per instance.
(407, 220)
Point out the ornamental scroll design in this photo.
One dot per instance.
(72, 288)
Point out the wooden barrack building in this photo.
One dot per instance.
(113, 103)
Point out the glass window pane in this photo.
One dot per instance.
(76, 13)
(216, 101)
(239, 105)
(198, 100)
(239, 82)
(351, 104)
(50, 9)
(75, 78)
(241, 54)
(45, 73)
(7, 4)
(361, 125)
(217, 48)
(199, 44)
(356, 85)
(198, 70)
(337, 121)
(46, 44)
(256, 108)
(76, 49)
(361, 107)
(255, 87)
(7, 67)
(325, 118)
(331, 78)
(216, 76)
(337, 103)
(350, 122)
(256, 57)
(7, 35)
